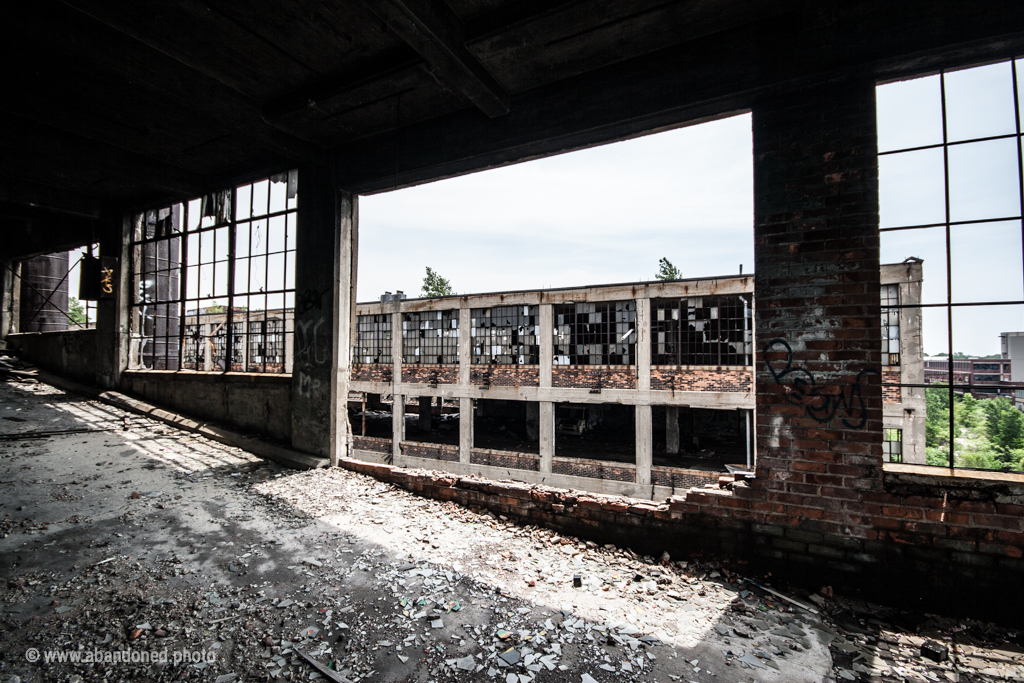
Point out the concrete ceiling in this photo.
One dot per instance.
(110, 105)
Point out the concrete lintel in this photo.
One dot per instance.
(723, 400)
(734, 284)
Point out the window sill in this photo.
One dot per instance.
(957, 474)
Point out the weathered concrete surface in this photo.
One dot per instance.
(154, 537)
(70, 352)
(256, 403)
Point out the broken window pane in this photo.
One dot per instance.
(373, 339)
(987, 262)
(430, 337)
(505, 335)
(595, 333)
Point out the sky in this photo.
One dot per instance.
(609, 213)
(601, 215)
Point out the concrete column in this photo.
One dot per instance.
(8, 296)
(643, 344)
(547, 343)
(532, 420)
(547, 435)
(396, 346)
(113, 316)
(644, 445)
(671, 429)
(397, 427)
(465, 346)
(426, 407)
(325, 268)
(465, 430)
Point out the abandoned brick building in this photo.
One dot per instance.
(644, 389)
(217, 157)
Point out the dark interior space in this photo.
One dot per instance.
(370, 416)
(507, 425)
(430, 419)
(702, 437)
(597, 432)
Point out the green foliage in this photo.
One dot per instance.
(77, 312)
(667, 271)
(435, 285)
(989, 434)
(1004, 425)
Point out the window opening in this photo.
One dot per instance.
(710, 330)
(598, 333)
(430, 337)
(373, 339)
(505, 335)
(217, 273)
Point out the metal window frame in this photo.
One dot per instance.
(192, 337)
(683, 352)
(513, 336)
(949, 305)
(373, 339)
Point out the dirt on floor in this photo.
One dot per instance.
(130, 550)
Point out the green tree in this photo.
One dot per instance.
(76, 312)
(936, 426)
(667, 271)
(435, 285)
(1005, 427)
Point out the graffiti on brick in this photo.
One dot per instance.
(821, 402)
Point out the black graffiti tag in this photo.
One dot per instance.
(821, 402)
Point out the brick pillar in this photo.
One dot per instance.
(819, 399)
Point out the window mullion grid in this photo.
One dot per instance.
(183, 284)
(949, 266)
(1020, 152)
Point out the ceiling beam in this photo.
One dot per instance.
(437, 33)
(380, 68)
(26, 193)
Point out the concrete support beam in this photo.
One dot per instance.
(397, 427)
(465, 429)
(113, 316)
(547, 343)
(327, 219)
(9, 295)
(532, 420)
(465, 346)
(425, 409)
(644, 445)
(671, 430)
(396, 348)
(643, 344)
(547, 436)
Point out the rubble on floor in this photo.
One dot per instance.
(169, 542)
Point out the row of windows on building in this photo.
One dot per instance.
(688, 331)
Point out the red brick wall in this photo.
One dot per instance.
(515, 461)
(371, 443)
(505, 375)
(676, 378)
(372, 373)
(430, 374)
(681, 478)
(595, 469)
(594, 376)
(891, 394)
(434, 451)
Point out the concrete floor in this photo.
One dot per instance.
(141, 536)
